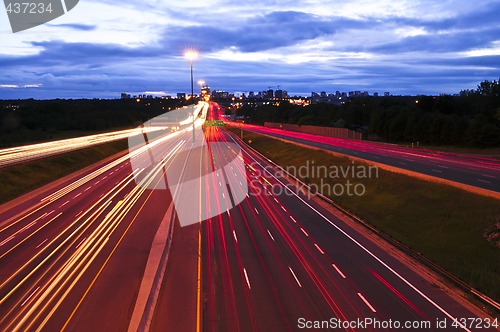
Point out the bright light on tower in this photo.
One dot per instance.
(191, 55)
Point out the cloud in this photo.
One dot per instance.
(263, 32)
(103, 48)
(75, 26)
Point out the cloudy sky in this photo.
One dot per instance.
(102, 48)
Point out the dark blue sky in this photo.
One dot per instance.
(100, 49)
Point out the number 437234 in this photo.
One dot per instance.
(28, 8)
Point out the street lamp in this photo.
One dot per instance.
(191, 55)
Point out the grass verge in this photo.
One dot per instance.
(445, 224)
(17, 180)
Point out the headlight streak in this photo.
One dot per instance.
(24, 153)
(53, 286)
(93, 244)
(82, 181)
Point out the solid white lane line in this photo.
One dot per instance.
(235, 237)
(303, 231)
(297, 280)
(29, 297)
(366, 302)
(319, 249)
(268, 232)
(338, 271)
(246, 277)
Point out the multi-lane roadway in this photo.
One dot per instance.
(73, 254)
(281, 261)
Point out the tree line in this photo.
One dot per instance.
(37, 120)
(471, 118)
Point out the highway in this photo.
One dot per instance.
(280, 261)
(73, 254)
(461, 168)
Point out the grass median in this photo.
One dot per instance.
(17, 180)
(454, 228)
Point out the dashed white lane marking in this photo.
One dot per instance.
(268, 232)
(246, 277)
(6, 240)
(29, 297)
(79, 244)
(293, 219)
(295, 277)
(38, 246)
(366, 302)
(303, 231)
(319, 249)
(338, 271)
(235, 237)
(257, 211)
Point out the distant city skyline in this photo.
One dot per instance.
(101, 49)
